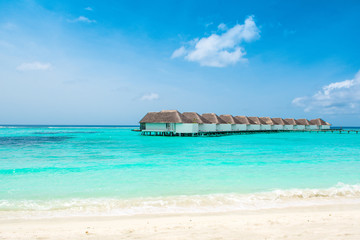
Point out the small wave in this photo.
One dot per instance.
(340, 190)
(341, 193)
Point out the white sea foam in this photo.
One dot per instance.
(341, 193)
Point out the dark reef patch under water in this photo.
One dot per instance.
(31, 140)
(66, 132)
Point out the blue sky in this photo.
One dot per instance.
(90, 62)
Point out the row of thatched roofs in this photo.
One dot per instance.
(174, 116)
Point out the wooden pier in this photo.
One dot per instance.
(340, 131)
(224, 133)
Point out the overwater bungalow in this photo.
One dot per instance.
(256, 124)
(303, 124)
(290, 124)
(204, 124)
(321, 124)
(278, 124)
(244, 123)
(174, 123)
(268, 123)
(229, 119)
(221, 125)
(167, 122)
(313, 125)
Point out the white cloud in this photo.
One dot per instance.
(335, 98)
(89, 9)
(220, 50)
(32, 66)
(149, 97)
(209, 24)
(179, 52)
(222, 26)
(84, 19)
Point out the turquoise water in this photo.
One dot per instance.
(45, 168)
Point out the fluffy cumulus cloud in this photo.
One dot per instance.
(221, 49)
(336, 98)
(33, 66)
(149, 97)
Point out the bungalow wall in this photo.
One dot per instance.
(277, 127)
(325, 127)
(207, 127)
(223, 127)
(253, 127)
(314, 127)
(240, 127)
(159, 126)
(299, 127)
(187, 128)
(265, 127)
(234, 127)
(288, 127)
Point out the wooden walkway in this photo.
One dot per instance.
(216, 134)
(335, 131)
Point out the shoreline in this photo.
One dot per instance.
(338, 221)
(340, 194)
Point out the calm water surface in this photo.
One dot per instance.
(41, 167)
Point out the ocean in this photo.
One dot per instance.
(54, 171)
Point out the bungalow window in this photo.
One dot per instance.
(167, 126)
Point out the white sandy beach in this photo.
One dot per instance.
(325, 222)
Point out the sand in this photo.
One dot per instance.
(325, 222)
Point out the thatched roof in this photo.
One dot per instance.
(195, 117)
(290, 121)
(165, 116)
(149, 117)
(244, 120)
(229, 119)
(267, 120)
(318, 121)
(303, 121)
(213, 118)
(174, 116)
(278, 121)
(257, 121)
